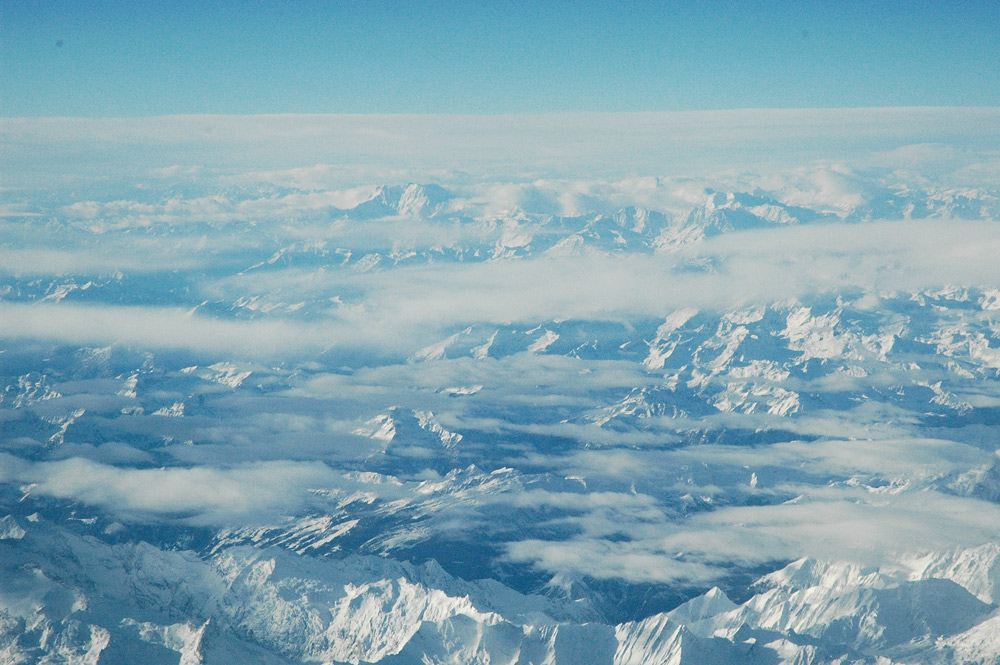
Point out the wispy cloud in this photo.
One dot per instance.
(199, 496)
(859, 501)
(161, 328)
(39, 262)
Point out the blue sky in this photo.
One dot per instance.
(109, 58)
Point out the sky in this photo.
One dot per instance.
(111, 58)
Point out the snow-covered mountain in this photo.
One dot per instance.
(72, 598)
(256, 416)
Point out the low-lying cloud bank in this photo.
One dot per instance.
(403, 309)
(159, 328)
(438, 147)
(727, 272)
(866, 501)
(200, 496)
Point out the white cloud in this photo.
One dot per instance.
(33, 262)
(831, 523)
(866, 501)
(770, 266)
(423, 147)
(841, 523)
(151, 327)
(252, 493)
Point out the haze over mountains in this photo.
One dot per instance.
(501, 390)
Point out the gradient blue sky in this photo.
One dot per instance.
(116, 58)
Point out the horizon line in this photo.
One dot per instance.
(526, 114)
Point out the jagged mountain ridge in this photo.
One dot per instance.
(276, 607)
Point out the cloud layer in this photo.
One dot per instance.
(428, 147)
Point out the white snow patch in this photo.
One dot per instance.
(543, 342)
